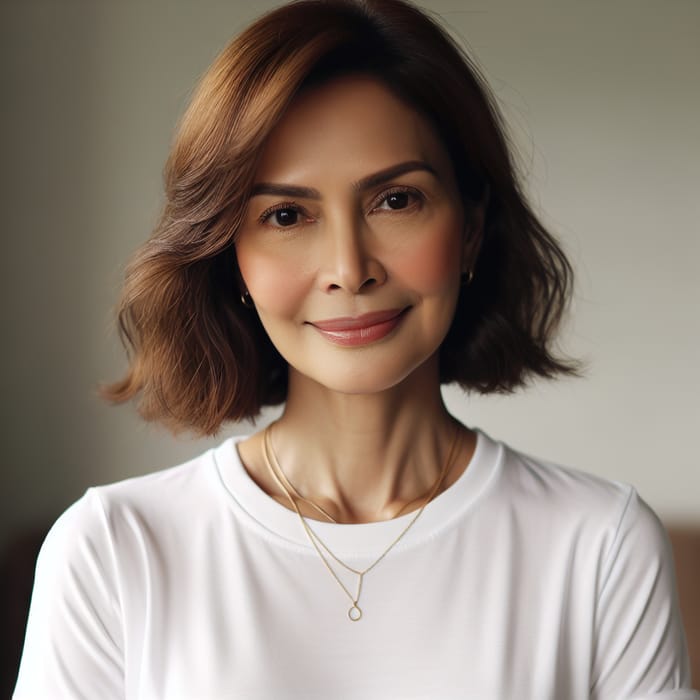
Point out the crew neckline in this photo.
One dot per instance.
(275, 522)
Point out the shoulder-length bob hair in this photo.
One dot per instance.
(198, 355)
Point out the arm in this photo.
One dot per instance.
(640, 645)
(73, 645)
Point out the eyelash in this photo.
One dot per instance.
(398, 190)
(265, 216)
(293, 206)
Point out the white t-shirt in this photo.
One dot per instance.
(522, 580)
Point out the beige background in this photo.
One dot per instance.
(603, 100)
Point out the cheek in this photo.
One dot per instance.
(433, 263)
(276, 285)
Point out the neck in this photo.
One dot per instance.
(366, 457)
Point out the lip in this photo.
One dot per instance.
(360, 330)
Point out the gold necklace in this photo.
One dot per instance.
(281, 476)
(319, 509)
(354, 612)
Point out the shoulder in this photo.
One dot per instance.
(103, 565)
(545, 481)
(560, 504)
(534, 482)
(192, 484)
(161, 501)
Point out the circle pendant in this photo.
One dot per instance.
(355, 613)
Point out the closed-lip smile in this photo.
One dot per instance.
(360, 330)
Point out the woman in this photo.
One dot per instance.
(344, 233)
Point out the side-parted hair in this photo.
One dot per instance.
(199, 357)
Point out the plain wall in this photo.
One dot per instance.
(603, 102)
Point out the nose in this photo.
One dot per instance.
(348, 261)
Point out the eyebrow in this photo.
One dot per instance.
(393, 171)
(285, 191)
(378, 178)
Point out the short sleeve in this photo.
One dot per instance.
(640, 651)
(73, 644)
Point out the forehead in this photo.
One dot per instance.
(354, 124)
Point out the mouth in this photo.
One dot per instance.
(360, 330)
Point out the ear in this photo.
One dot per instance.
(473, 234)
(241, 286)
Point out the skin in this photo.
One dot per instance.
(356, 210)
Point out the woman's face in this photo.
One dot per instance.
(354, 239)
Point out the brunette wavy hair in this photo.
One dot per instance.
(197, 356)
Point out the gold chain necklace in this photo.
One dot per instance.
(281, 476)
(354, 612)
(288, 486)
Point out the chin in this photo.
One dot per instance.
(367, 376)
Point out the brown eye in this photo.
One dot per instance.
(285, 217)
(398, 200)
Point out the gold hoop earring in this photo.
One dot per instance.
(467, 277)
(247, 300)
